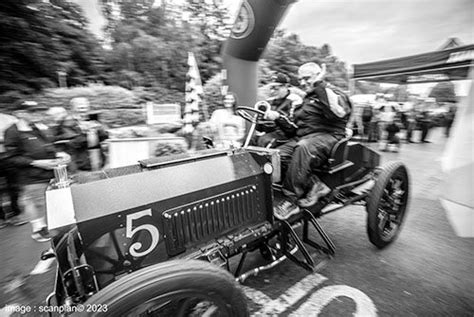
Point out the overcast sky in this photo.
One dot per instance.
(367, 30)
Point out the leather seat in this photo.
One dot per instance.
(337, 160)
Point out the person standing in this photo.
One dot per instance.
(425, 122)
(9, 186)
(33, 156)
(449, 119)
(70, 138)
(366, 116)
(411, 124)
(95, 133)
(230, 127)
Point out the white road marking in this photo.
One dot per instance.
(315, 304)
(43, 266)
(289, 298)
(7, 311)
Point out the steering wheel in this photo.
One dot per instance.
(258, 112)
(253, 115)
(245, 112)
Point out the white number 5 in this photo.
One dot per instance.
(155, 235)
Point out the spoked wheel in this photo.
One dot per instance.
(174, 288)
(387, 204)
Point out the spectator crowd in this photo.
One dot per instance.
(390, 123)
(35, 140)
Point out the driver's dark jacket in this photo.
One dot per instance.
(315, 114)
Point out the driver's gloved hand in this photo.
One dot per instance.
(271, 115)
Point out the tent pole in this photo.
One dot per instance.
(351, 80)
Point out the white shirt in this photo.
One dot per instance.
(230, 127)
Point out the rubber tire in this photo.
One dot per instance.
(147, 283)
(386, 172)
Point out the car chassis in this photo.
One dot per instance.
(116, 230)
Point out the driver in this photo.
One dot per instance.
(283, 101)
(321, 122)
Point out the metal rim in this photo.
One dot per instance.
(181, 303)
(391, 208)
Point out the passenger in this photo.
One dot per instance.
(32, 154)
(319, 123)
(283, 101)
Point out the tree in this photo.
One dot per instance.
(212, 19)
(285, 53)
(41, 38)
(443, 92)
(155, 40)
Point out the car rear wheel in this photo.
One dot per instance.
(173, 288)
(387, 204)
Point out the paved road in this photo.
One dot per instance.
(428, 271)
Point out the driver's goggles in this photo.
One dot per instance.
(275, 87)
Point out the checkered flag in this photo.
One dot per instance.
(193, 95)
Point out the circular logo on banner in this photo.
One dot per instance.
(244, 23)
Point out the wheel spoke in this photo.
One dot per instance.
(387, 204)
(383, 218)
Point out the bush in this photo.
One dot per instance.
(10, 99)
(100, 97)
(118, 106)
(163, 149)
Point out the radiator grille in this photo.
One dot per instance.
(208, 218)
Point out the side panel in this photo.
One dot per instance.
(178, 226)
(112, 195)
(176, 219)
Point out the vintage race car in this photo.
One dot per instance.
(163, 237)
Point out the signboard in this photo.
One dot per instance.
(123, 152)
(163, 113)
